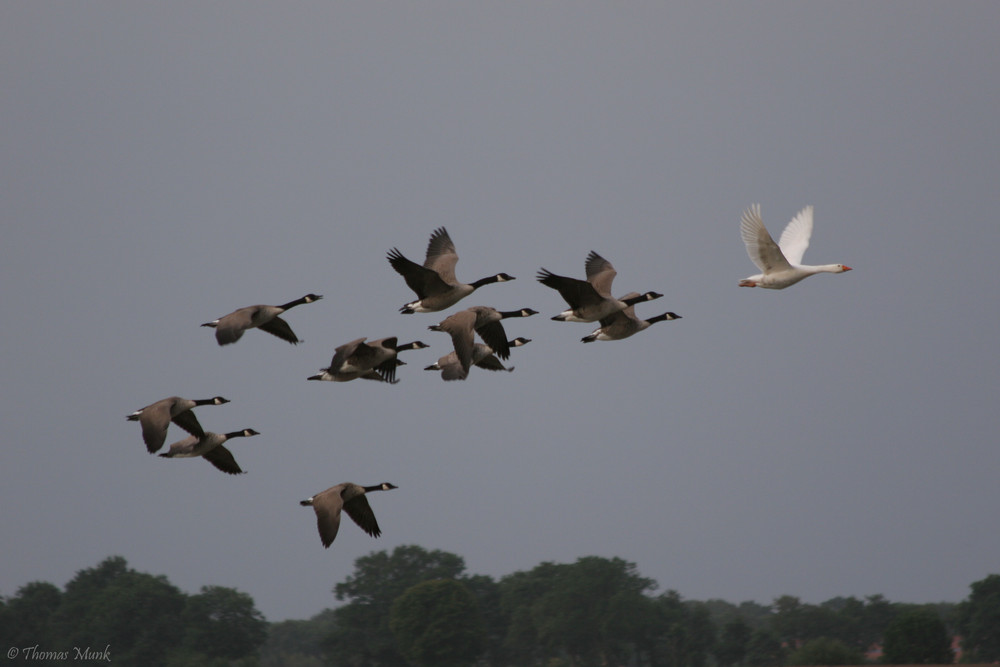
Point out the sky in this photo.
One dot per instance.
(166, 163)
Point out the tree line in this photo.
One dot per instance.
(419, 607)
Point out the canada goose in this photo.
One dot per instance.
(590, 299)
(210, 447)
(624, 323)
(350, 498)
(482, 356)
(156, 417)
(780, 262)
(483, 320)
(375, 360)
(230, 328)
(435, 282)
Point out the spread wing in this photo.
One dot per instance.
(795, 239)
(493, 334)
(460, 326)
(600, 273)
(491, 363)
(327, 506)
(575, 292)
(223, 459)
(279, 327)
(441, 255)
(154, 420)
(361, 513)
(231, 327)
(187, 421)
(423, 281)
(761, 248)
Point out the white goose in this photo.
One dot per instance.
(780, 262)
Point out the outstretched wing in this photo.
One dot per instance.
(223, 459)
(441, 255)
(575, 292)
(187, 421)
(600, 273)
(795, 239)
(361, 513)
(761, 248)
(423, 281)
(279, 327)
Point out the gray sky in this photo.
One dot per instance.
(166, 163)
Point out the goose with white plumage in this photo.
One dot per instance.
(780, 263)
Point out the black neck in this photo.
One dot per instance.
(485, 281)
(662, 317)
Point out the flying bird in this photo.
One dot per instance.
(624, 323)
(230, 328)
(780, 262)
(374, 360)
(482, 320)
(156, 417)
(482, 356)
(435, 283)
(589, 300)
(209, 446)
(349, 498)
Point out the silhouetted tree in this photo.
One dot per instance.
(437, 624)
(25, 619)
(223, 623)
(917, 637)
(825, 651)
(979, 620)
(764, 649)
(361, 635)
(734, 639)
(136, 614)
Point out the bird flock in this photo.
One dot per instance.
(436, 287)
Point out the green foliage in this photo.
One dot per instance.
(223, 623)
(297, 643)
(917, 637)
(764, 650)
(139, 618)
(979, 621)
(437, 623)
(734, 639)
(825, 651)
(361, 635)
(111, 605)
(24, 620)
(420, 604)
(590, 610)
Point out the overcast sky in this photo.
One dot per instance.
(166, 163)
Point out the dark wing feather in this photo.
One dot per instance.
(491, 363)
(361, 513)
(494, 335)
(421, 280)
(223, 459)
(187, 421)
(279, 327)
(386, 371)
(575, 292)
